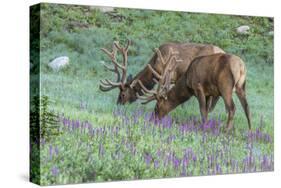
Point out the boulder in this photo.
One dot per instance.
(244, 29)
(102, 9)
(59, 63)
(271, 33)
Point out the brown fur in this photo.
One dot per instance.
(187, 52)
(208, 78)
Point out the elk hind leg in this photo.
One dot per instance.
(241, 94)
(212, 103)
(209, 101)
(230, 109)
(202, 103)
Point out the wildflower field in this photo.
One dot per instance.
(99, 140)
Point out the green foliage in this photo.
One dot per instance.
(35, 163)
(80, 31)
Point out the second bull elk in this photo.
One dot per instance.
(129, 87)
(207, 78)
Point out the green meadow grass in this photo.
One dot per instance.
(74, 156)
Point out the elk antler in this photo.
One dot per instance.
(162, 80)
(107, 85)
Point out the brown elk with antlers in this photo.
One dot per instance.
(129, 88)
(207, 77)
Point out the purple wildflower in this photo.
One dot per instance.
(218, 169)
(176, 162)
(194, 158)
(156, 164)
(55, 171)
(50, 152)
(147, 159)
(159, 153)
(183, 172)
(101, 150)
(56, 150)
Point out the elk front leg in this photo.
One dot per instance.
(202, 103)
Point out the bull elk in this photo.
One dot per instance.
(129, 88)
(207, 78)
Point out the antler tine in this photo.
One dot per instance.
(112, 56)
(108, 82)
(171, 69)
(166, 80)
(104, 89)
(148, 95)
(107, 66)
(167, 68)
(117, 45)
(134, 82)
(156, 74)
(146, 99)
(173, 66)
(124, 52)
(159, 54)
(106, 85)
(162, 81)
(155, 81)
(170, 65)
(120, 48)
(128, 44)
(124, 70)
(172, 55)
(153, 92)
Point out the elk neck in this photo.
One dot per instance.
(179, 93)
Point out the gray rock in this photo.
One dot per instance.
(244, 29)
(59, 63)
(103, 9)
(271, 33)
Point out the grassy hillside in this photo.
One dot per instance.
(140, 148)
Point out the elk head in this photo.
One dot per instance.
(126, 92)
(163, 82)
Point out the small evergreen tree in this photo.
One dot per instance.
(43, 122)
(34, 120)
(48, 120)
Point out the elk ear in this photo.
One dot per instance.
(130, 78)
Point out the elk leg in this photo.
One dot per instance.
(202, 103)
(209, 101)
(241, 94)
(231, 111)
(213, 103)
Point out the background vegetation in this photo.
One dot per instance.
(80, 31)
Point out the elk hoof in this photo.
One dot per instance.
(229, 129)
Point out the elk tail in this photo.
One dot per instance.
(238, 71)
